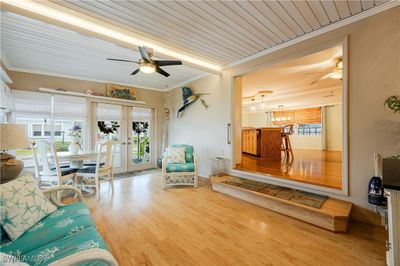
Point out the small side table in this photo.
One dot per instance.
(218, 166)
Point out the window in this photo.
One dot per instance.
(141, 135)
(309, 129)
(36, 130)
(109, 119)
(34, 109)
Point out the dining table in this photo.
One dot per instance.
(76, 159)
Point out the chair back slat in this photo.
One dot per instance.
(42, 147)
(108, 148)
(288, 130)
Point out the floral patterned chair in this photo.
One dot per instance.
(183, 173)
(68, 236)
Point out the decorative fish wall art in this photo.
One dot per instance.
(188, 98)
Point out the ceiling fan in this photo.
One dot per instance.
(336, 73)
(148, 65)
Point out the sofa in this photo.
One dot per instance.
(67, 236)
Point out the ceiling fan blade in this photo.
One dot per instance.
(167, 62)
(143, 53)
(135, 72)
(121, 60)
(162, 72)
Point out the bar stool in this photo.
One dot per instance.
(286, 147)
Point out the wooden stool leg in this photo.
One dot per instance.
(287, 146)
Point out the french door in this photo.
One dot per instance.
(134, 129)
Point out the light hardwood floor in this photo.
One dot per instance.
(145, 225)
(316, 167)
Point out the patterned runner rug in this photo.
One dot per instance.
(136, 173)
(302, 197)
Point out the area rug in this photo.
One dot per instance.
(136, 173)
(301, 197)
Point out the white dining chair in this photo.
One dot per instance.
(102, 171)
(47, 166)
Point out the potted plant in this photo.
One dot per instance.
(75, 132)
(391, 165)
(139, 128)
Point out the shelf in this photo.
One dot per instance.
(80, 94)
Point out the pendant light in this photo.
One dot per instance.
(253, 107)
(262, 102)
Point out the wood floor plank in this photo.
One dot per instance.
(145, 225)
(317, 167)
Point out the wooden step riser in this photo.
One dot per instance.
(335, 224)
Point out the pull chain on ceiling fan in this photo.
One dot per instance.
(148, 65)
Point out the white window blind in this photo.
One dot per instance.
(108, 112)
(35, 104)
(141, 114)
(70, 107)
(31, 104)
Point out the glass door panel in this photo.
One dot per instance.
(109, 120)
(140, 151)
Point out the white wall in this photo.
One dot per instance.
(205, 129)
(374, 64)
(333, 120)
(257, 120)
(306, 142)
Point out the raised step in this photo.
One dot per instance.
(334, 214)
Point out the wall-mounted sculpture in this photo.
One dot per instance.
(188, 98)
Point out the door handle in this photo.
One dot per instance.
(228, 135)
(123, 143)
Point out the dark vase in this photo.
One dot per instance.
(375, 192)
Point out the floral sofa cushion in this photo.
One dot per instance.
(179, 167)
(88, 238)
(188, 151)
(65, 221)
(66, 231)
(176, 155)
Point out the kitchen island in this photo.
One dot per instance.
(264, 142)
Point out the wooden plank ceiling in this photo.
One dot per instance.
(33, 46)
(223, 31)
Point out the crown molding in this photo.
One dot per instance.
(341, 23)
(31, 71)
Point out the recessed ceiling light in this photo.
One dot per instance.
(64, 17)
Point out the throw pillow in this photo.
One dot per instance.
(24, 205)
(176, 155)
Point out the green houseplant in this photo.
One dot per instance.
(391, 164)
(393, 103)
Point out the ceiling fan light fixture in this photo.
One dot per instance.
(339, 64)
(147, 68)
(336, 75)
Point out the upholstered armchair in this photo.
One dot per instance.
(182, 173)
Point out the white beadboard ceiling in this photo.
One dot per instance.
(34, 46)
(224, 32)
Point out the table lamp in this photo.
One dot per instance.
(12, 137)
